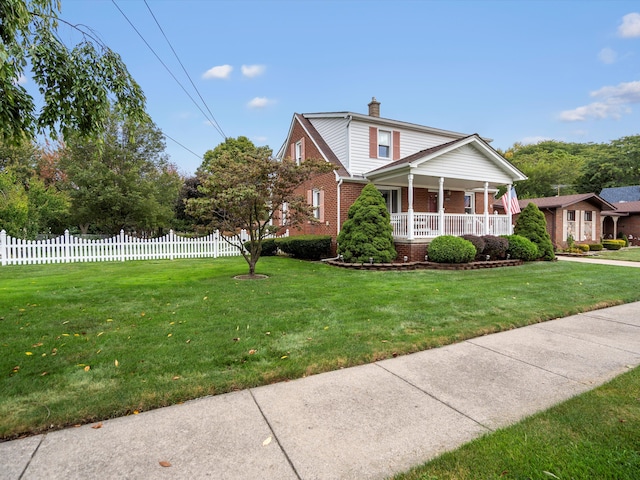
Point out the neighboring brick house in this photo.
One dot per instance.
(626, 217)
(434, 181)
(580, 216)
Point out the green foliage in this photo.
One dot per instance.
(495, 247)
(477, 242)
(306, 247)
(616, 244)
(521, 248)
(367, 232)
(532, 225)
(14, 205)
(583, 247)
(77, 84)
(450, 249)
(242, 186)
(617, 165)
(622, 236)
(595, 247)
(269, 247)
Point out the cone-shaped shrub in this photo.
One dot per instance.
(531, 224)
(367, 233)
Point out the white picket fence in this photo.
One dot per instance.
(69, 248)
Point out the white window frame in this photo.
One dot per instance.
(283, 211)
(472, 203)
(389, 200)
(315, 198)
(298, 152)
(388, 146)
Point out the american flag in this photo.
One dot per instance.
(515, 206)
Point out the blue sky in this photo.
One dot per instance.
(514, 71)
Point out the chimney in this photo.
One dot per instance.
(374, 108)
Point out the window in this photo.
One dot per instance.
(571, 215)
(298, 153)
(392, 199)
(469, 203)
(384, 143)
(283, 219)
(316, 200)
(588, 216)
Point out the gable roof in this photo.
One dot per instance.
(564, 201)
(621, 194)
(627, 207)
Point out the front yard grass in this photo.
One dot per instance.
(593, 435)
(84, 342)
(626, 254)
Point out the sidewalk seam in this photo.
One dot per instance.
(404, 380)
(273, 432)
(541, 327)
(35, 450)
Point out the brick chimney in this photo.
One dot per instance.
(374, 108)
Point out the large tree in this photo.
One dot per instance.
(121, 180)
(618, 165)
(77, 83)
(243, 187)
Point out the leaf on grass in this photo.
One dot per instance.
(237, 339)
(99, 334)
(87, 368)
(164, 463)
(97, 426)
(36, 345)
(189, 341)
(142, 314)
(326, 328)
(117, 364)
(28, 353)
(252, 351)
(550, 474)
(205, 298)
(64, 323)
(43, 374)
(136, 412)
(284, 356)
(176, 378)
(170, 335)
(267, 441)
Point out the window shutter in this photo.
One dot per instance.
(373, 142)
(302, 150)
(321, 206)
(396, 145)
(292, 149)
(310, 197)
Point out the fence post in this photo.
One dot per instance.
(216, 240)
(171, 243)
(3, 247)
(122, 249)
(67, 241)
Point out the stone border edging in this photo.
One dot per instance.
(425, 265)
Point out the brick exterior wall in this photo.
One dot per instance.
(630, 226)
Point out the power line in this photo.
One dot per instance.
(217, 125)
(187, 149)
(212, 122)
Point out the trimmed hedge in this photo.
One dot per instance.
(495, 247)
(521, 248)
(613, 244)
(306, 247)
(583, 247)
(477, 242)
(450, 249)
(595, 247)
(269, 247)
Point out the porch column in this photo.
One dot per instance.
(441, 207)
(486, 208)
(410, 209)
(508, 209)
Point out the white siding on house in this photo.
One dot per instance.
(466, 162)
(334, 132)
(410, 142)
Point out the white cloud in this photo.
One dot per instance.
(608, 56)
(630, 26)
(251, 71)
(533, 140)
(260, 102)
(612, 102)
(221, 71)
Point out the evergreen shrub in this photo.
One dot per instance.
(495, 247)
(477, 242)
(306, 247)
(532, 225)
(613, 244)
(521, 248)
(595, 247)
(367, 232)
(583, 247)
(269, 247)
(450, 249)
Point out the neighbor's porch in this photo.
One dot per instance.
(423, 225)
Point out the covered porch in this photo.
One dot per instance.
(447, 190)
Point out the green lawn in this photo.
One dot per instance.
(626, 254)
(82, 342)
(593, 436)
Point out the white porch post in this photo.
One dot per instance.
(441, 207)
(486, 208)
(508, 209)
(410, 209)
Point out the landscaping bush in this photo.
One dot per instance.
(269, 247)
(595, 247)
(367, 232)
(622, 236)
(613, 244)
(477, 242)
(532, 225)
(521, 248)
(495, 247)
(450, 249)
(583, 247)
(306, 247)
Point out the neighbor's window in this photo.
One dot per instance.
(298, 152)
(384, 143)
(588, 216)
(285, 208)
(571, 215)
(316, 203)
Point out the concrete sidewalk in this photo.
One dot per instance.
(358, 423)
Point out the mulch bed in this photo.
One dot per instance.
(426, 265)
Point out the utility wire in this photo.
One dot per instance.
(217, 125)
(212, 122)
(187, 149)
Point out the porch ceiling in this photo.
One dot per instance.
(430, 182)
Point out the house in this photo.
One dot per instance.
(621, 194)
(626, 217)
(580, 216)
(434, 181)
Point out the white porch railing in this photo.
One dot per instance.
(427, 225)
(69, 248)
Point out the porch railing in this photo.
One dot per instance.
(427, 225)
